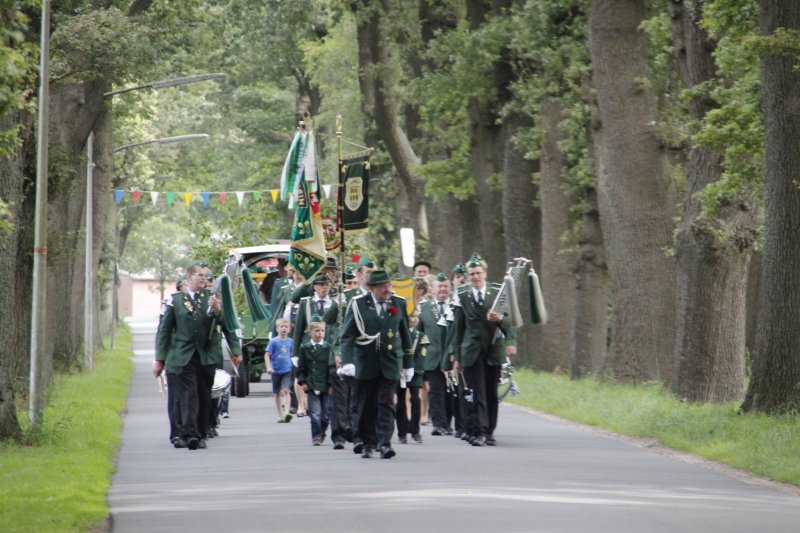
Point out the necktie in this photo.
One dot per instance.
(480, 298)
(320, 308)
(441, 308)
(383, 308)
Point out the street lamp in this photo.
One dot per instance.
(88, 301)
(165, 140)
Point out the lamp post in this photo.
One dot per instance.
(36, 394)
(88, 326)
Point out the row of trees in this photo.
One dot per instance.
(638, 152)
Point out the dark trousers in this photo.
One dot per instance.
(352, 407)
(460, 405)
(375, 411)
(437, 398)
(340, 417)
(173, 406)
(482, 379)
(194, 388)
(406, 424)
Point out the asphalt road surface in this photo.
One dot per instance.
(544, 476)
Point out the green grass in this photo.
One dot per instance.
(60, 483)
(765, 445)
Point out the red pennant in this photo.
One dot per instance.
(135, 195)
(222, 197)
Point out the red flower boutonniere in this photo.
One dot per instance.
(392, 310)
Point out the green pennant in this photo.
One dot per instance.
(257, 196)
(170, 197)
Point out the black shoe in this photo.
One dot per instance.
(480, 440)
(387, 452)
(211, 434)
(193, 443)
(179, 442)
(358, 447)
(402, 440)
(367, 453)
(470, 439)
(437, 432)
(447, 431)
(458, 434)
(202, 445)
(338, 445)
(490, 440)
(465, 436)
(417, 438)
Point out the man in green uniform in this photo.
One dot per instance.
(188, 344)
(483, 338)
(436, 321)
(376, 341)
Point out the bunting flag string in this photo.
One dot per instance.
(135, 195)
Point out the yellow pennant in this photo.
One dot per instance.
(188, 198)
(275, 193)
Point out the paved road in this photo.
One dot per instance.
(544, 476)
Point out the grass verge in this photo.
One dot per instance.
(768, 446)
(59, 484)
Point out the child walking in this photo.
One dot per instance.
(315, 358)
(279, 367)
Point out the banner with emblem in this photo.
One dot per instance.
(308, 254)
(355, 196)
(405, 288)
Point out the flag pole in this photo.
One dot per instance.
(340, 203)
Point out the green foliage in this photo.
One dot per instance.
(6, 220)
(17, 67)
(58, 480)
(736, 127)
(103, 43)
(765, 445)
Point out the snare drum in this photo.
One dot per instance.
(222, 381)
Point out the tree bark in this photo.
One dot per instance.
(16, 263)
(637, 225)
(557, 276)
(775, 383)
(523, 226)
(376, 70)
(487, 145)
(712, 254)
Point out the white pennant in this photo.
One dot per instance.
(327, 189)
(240, 197)
(154, 197)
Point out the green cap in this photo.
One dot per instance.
(441, 277)
(460, 269)
(475, 261)
(366, 262)
(378, 277)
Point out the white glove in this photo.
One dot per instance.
(408, 374)
(295, 361)
(347, 370)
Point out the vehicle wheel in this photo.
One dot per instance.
(241, 385)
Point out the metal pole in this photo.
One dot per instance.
(40, 227)
(88, 279)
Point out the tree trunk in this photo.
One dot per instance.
(523, 223)
(557, 277)
(775, 383)
(712, 255)
(487, 145)
(589, 334)
(16, 264)
(376, 70)
(638, 224)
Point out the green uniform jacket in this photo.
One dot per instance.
(390, 352)
(440, 337)
(421, 346)
(275, 300)
(473, 333)
(313, 366)
(301, 322)
(184, 329)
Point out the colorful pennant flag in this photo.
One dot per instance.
(308, 255)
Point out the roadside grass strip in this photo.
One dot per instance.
(59, 479)
(767, 446)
